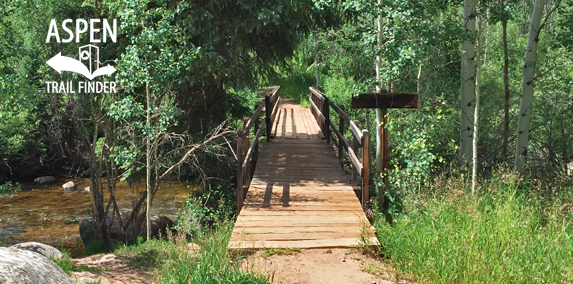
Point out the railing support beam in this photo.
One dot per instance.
(326, 113)
(240, 156)
(268, 114)
(366, 167)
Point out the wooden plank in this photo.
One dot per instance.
(302, 208)
(324, 213)
(305, 219)
(300, 229)
(269, 196)
(315, 186)
(295, 236)
(387, 100)
(306, 244)
(313, 127)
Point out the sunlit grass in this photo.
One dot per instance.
(509, 232)
(175, 263)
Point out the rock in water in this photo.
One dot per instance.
(69, 186)
(45, 179)
(45, 250)
(18, 266)
(159, 227)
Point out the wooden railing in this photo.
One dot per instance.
(320, 107)
(247, 147)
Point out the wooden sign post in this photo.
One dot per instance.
(383, 101)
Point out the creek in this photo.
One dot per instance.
(48, 215)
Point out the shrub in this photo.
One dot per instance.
(10, 188)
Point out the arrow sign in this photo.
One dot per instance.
(63, 63)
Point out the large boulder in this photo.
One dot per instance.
(18, 266)
(159, 227)
(45, 250)
(69, 186)
(45, 180)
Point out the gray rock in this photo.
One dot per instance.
(45, 179)
(69, 186)
(45, 250)
(159, 227)
(87, 189)
(19, 266)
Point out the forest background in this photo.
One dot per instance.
(188, 73)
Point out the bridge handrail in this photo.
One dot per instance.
(320, 108)
(247, 153)
(355, 130)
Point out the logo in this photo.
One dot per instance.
(88, 54)
(88, 63)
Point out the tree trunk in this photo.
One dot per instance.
(527, 87)
(506, 87)
(479, 64)
(378, 90)
(379, 113)
(148, 154)
(316, 63)
(467, 91)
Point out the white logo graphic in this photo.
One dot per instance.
(88, 54)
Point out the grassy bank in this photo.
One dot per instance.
(510, 231)
(173, 261)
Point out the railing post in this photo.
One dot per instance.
(365, 167)
(326, 113)
(353, 181)
(268, 113)
(247, 172)
(342, 130)
(256, 153)
(240, 156)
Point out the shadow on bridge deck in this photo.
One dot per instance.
(299, 195)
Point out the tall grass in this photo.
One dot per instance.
(295, 85)
(212, 263)
(509, 232)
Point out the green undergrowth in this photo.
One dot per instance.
(510, 231)
(173, 262)
(10, 188)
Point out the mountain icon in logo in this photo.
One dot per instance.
(88, 54)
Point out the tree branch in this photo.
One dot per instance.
(195, 147)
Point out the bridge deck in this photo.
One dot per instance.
(299, 196)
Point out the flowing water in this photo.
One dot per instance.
(48, 215)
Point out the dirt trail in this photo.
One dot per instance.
(115, 270)
(330, 266)
(312, 266)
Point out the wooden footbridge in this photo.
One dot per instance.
(296, 192)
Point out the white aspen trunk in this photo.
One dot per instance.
(419, 82)
(148, 153)
(418, 89)
(527, 86)
(379, 116)
(467, 90)
(316, 63)
(479, 52)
